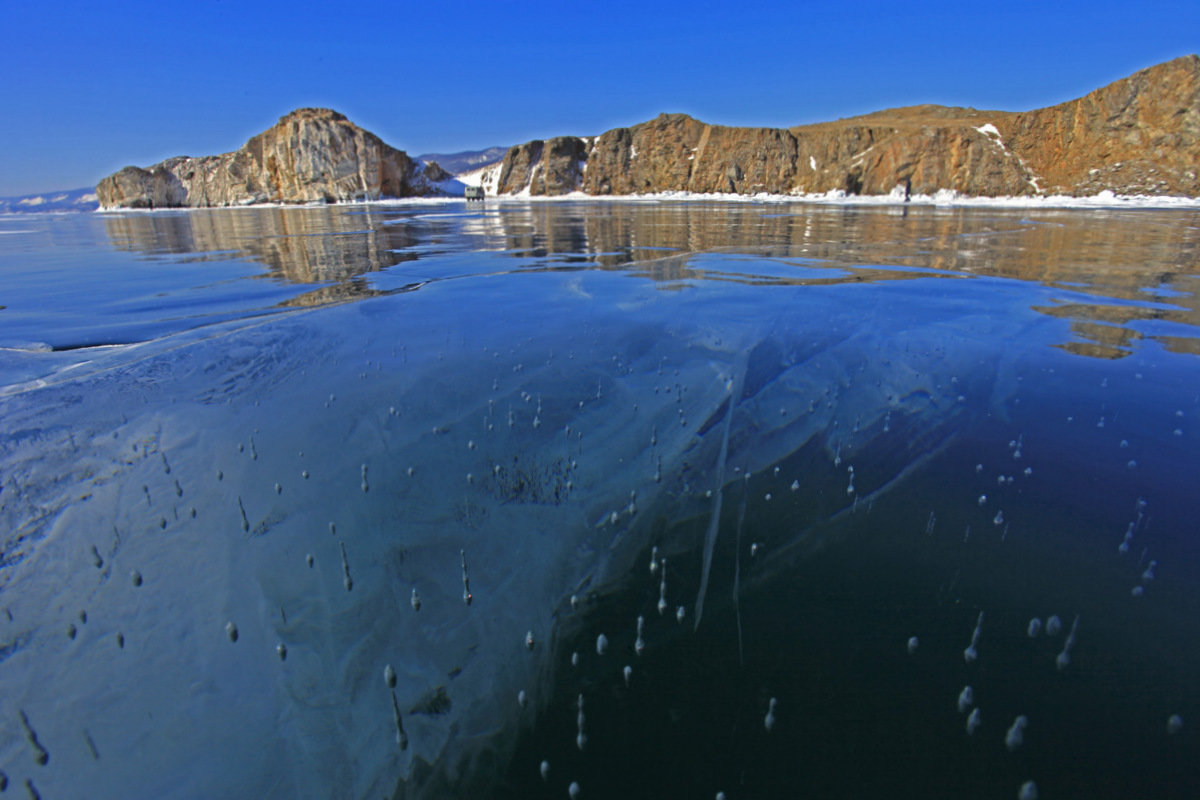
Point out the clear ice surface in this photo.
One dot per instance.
(450, 397)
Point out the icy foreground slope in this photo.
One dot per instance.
(295, 480)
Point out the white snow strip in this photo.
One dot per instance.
(941, 198)
(988, 129)
(533, 175)
(812, 162)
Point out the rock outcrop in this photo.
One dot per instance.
(310, 155)
(1139, 135)
(550, 167)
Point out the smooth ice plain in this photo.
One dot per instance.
(607, 499)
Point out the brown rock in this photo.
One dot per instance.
(310, 155)
(435, 174)
(134, 187)
(551, 167)
(1139, 135)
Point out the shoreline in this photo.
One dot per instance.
(1105, 200)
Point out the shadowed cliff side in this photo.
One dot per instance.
(1139, 135)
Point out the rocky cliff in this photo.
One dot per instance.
(310, 155)
(1139, 135)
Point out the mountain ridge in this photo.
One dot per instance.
(1136, 135)
(465, 160)
(81, 199)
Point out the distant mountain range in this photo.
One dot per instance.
(466, 161)
(1139, 135)
(70, 200)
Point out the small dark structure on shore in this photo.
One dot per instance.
(473, 193)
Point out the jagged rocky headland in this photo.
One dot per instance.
(310, 155)
(1139, 135)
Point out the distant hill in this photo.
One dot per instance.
(70, 200)
(467, 160)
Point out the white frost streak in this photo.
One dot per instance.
(714, 521)
(812, 162)
(533, 173)
(858, 159)
(989, 130)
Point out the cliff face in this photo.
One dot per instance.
(1139, 135)
(549, 167)
(312, 154)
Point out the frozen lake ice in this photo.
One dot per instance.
(652, 499)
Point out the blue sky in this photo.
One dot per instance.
(91, 87)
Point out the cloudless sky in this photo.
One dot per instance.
(87, 88)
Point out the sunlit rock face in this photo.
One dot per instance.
(1138, 135)
(310, 155)
(548, 168)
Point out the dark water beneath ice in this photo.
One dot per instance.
(840, 428)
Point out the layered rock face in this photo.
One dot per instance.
(310, 155)
(551, 167)
(1139, 135)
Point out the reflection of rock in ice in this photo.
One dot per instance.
(303, 245)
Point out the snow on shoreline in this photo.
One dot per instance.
(942, 198)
